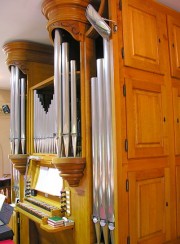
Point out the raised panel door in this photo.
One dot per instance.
(176, 107)
(146, 119)
(148, 207)
(178, 198)
(143, 28)
(174, 45)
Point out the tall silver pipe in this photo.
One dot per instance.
(109, 132)
(17, 111)
(101, 138)
(104, 30)
(57, 90)
(96, 168)
(73, 106)
(65, 97)
(102, 149)
(23, 114)
(12, 109)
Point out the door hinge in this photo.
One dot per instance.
(127, 185)
(126, 145)
(124, 90)
(122, 52)
(120, 4)
(128, 240)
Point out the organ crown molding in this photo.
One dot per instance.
(68, 15)
(21, 53)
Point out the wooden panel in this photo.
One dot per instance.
(178, 199)
(143, 26)
(146, 119)
(176, 107)
(174, 45)
(147, 207)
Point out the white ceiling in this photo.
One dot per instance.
(23, 20)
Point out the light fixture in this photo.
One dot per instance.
(5, 109)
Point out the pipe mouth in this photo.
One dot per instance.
(98, 22)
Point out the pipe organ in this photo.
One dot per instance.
(94, 138)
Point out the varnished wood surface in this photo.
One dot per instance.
(63, 14)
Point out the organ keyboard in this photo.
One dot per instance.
(39, 211)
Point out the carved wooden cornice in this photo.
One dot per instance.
(68, 15)
(21, 53)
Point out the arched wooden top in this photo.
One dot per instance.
(68, 15)
(20, 53)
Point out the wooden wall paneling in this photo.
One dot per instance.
(143, 30)
(178, 198)
(119, 126)
(176, 110)
(147, 203)
(146, 119)
(174, 44)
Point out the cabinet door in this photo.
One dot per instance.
(143, 28)
(174, 45)
(176, 107)
(148, 207)
(178, 198)
(146, 119)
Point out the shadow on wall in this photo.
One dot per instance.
(4, 145)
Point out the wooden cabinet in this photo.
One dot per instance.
(148, 114)
(146, 119)
(144, 28)
(148, 206)
(174, 45)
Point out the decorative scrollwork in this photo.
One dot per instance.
(72, 27)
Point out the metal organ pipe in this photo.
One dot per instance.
(96, 164)
(109, 138)
(57, 90)
(73, 106)
(23, 114)
(17, 111)
(65, 97)
(12, 109)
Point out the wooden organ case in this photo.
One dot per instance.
(72, 155)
